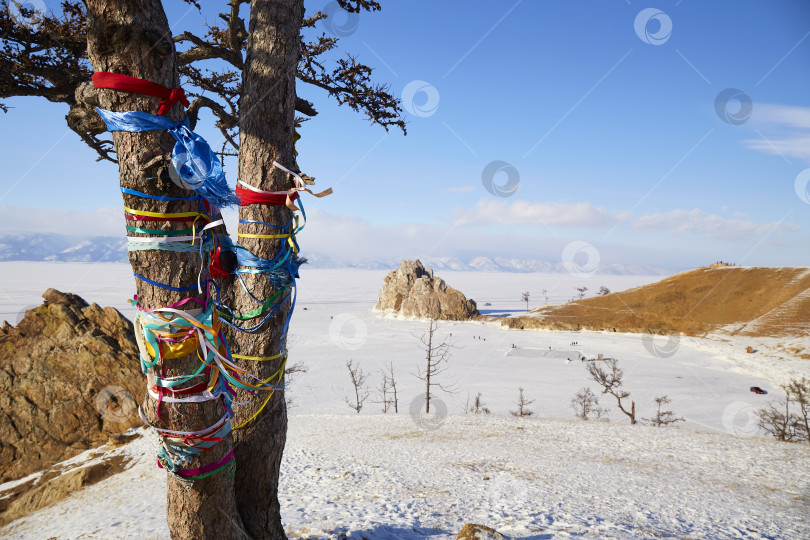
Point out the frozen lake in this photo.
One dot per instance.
(707, 380)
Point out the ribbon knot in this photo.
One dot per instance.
(176, 95)
(118, 81)
(195, 162)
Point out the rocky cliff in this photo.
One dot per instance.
(69, 377)
(413, 291)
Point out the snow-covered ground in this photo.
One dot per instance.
(383, 477)
(549, 475)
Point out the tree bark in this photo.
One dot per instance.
(266, 126)
(133, 38)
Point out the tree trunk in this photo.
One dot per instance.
(396, 399)
(133, 38)
(427, 372)
(266, 124)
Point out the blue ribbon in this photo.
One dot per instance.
(157, 197)
(280, 270)
(195, 162)
(164, 286)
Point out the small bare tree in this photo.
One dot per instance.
(545, 295)
(289, 374)
(783, 425)
(388, 390)
(798, 390)
(525, 298)
(586, 404)
(359, 383)
(477, 406)
(611, 382)
(581, 291)
(603, 291)
(523, 405)
(663, 418)
(786, 425)
(392, 386)
(383, 391)
(436, 356)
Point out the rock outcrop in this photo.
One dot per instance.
(413, 291)
(69, 377)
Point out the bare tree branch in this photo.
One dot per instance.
(611, 383)
(49, 60)
(359, 384)
(203, 50)
(436, 356)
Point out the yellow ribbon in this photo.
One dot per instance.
(260, 358)
(170, 351)
(161, 214)
(265, 236)
(278, 374)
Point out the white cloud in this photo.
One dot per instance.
(709, 225)
(792, 131)
(783, 115)
(580, 214)
(790, 147)
(353, 239)
(99, 222)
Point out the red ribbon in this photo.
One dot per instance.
(133, 217)
(215, 269)
(248, 196)
(116, 81)
(201, 387)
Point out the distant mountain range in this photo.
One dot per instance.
(486, 264)
(64, 248)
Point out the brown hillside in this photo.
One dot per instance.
(756, 301)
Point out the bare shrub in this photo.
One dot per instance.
(779, 421)
(523, 405)
(477, 406)
(798, 391)
(388, 390)
(359, 383)
(289, 374)
(586, 405)
(663, 418)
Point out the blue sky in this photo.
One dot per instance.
(610, 125)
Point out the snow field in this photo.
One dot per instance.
(548, 476)
(380, 476)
